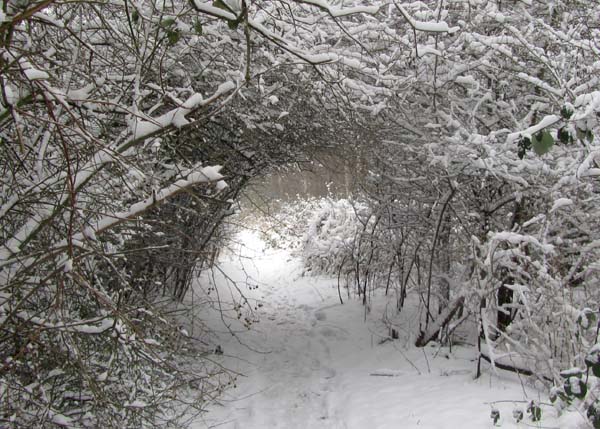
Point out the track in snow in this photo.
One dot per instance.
(313, 363)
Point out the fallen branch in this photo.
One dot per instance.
(512, 368)
(443, 319)
(387, 373)
(506, 367)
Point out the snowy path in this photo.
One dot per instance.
(313, 363)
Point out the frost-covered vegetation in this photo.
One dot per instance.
(128, 130)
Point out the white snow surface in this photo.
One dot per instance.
(311, 362)
(35, 74)
(431, 26)
(561, 202)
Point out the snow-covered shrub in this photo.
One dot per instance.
(575, 392)
(283, 224)
(345, 239)
(331, 236)
(112, 187)
(516, 165)
(548, 275)
(101, 372)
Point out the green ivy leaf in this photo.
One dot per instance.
(495, 415)
(586, 318)
(565, 136)
(135, 16)
(575, 387)
(542, 142)
(585, 135)
(557, 393)
(221, 5)
(233, 25)
(198, 27)
(167, 22)
(173, 36)
(566, 112)
(524, 145)
(592, 360)
(535, 410)
(518, 414)
(593, 414)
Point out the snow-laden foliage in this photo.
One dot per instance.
(501, 198)
(127, 130)
(85, 124)
(349, 240)
(519, 156)
(282, 224)
(485, 174)
(330, 236)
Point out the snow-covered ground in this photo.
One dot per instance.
(310, 362)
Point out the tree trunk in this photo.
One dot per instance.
(505, 295)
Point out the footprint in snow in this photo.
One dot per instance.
(328, 332)
(329, 372)
(325, 347)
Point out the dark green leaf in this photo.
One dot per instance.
(565, 136)
(557, 393)
(198, 28)
(566, 112)
(535, 411)
(524, 145)
(542, 142)
(135, 16)
(592, 360)
(221, 5)
(585, 135)
(173, 36)
(589, 136)
(233, 25)
(518, 414)
(495, 415)
(167, 22)
(593, 414)
(575, 387)
(587, 318)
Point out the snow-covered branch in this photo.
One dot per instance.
(429, 26)
(208, 175)
(546, 122)
(337, 12)
(177, 117)
(143, 129)
(204, 175)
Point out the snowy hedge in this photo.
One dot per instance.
(331, 233)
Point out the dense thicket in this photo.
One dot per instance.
(483, 190)
(127, 131)
(129, 128)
